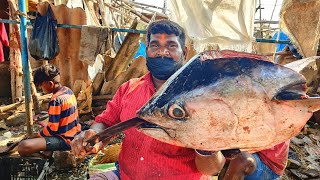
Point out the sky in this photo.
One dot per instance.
(269, 6)
(266, 13)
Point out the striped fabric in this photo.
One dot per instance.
(63, 116)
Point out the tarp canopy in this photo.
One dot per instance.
(216, 24)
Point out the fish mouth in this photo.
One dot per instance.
(150, 126)
(292, 92)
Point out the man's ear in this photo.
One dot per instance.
(147, 47)
(51, 83)
(185, 52)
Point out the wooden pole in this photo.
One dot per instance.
(89, 5)
(9, 107)
(143, 7)
(156, 7)
(103, 12)
(15, 55)
(260, 19)
(125, 54)
(316, 83)
(44, 98)
(123, 13)
(130, 9)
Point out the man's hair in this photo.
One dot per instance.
(44, 73)
(167, 27)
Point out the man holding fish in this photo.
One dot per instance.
(141, 156)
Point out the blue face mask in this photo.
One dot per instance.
(163, 67)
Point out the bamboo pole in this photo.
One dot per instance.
(130, 9)
(124, 14)
(117, 24)
(151, 6)
(144, 38)
(25, 64)
(88, 4)
(142, 7)
(102, 9)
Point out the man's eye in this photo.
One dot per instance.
(153, 45)
(173, 46)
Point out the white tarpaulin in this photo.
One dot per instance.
(216, 24)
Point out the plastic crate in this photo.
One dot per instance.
(14, 168)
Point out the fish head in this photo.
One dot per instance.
(222, 102)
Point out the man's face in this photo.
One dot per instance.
(47, 87)
(165, 45)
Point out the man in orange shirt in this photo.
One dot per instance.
(63, 122)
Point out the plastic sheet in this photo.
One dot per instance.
(44, 43)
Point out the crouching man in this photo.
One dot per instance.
(63, 122)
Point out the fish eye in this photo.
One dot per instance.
(177, 112)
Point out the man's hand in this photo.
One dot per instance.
(80, 147)
(242, 165)
(209, 163)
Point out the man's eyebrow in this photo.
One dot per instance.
(170, 41)
(154, 41)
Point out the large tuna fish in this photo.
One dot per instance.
(230, 100)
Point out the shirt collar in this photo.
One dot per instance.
(147, 80)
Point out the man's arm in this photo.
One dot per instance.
(79, 144)
(209, 164)
(98, 127)
(107, 118)
(53, 124)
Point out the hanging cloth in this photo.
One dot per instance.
(3, 40)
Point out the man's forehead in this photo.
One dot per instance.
(163, 37)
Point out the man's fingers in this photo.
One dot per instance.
(82, 153)
(96, 148)
(76, 144)
(84, 143)
(79, 146)
(88, 134)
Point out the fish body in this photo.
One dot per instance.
(229, 100)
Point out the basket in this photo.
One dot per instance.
(14, 168)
